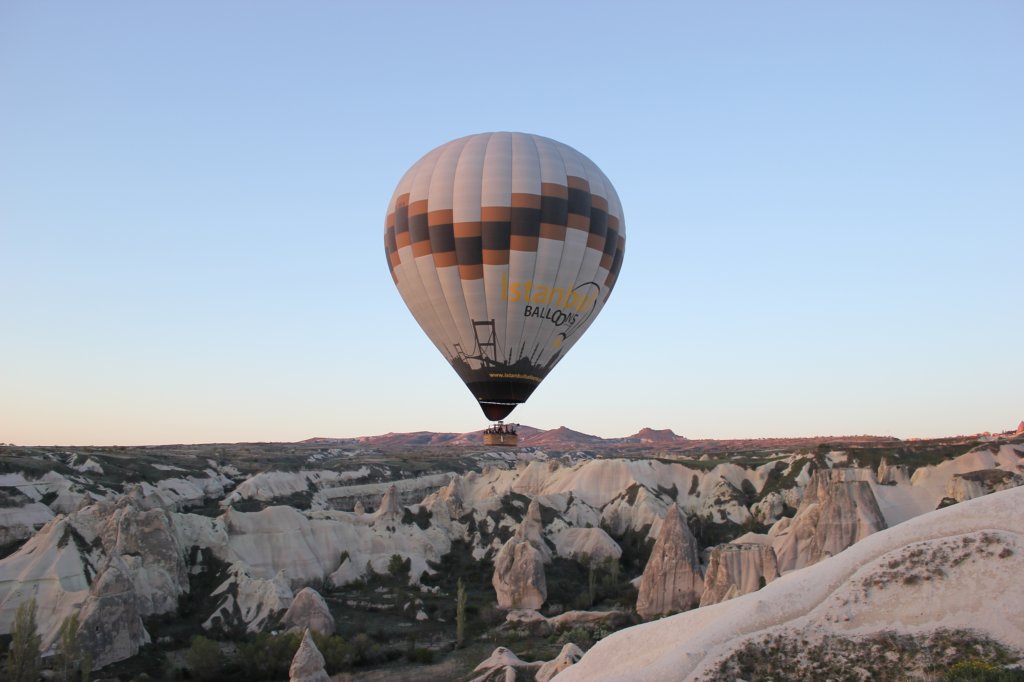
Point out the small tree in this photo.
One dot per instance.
(23, 657)
(203, 658)
(460, 615)
(399, 568)
(69, 651)
(591, 583)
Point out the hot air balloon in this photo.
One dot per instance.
(505, 247)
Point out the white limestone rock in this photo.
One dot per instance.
(672, 579)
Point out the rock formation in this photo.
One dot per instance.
(519, 565)
(110, 622)
(833, 515)
(569, 655)
(945, 571)
(973, 484)
(531, 530)
(594, 543)
(309, 611)
(308, 663)
(769, 509)
(891, 474)
(518, 579)
(248, 603)
(390, 505)
(146, 541)
(736, 569)
(672, 579)
(503, 665)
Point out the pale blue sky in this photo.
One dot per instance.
(824, 203)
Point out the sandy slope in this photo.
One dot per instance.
(977, 545)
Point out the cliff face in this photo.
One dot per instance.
(111, 624)
(833, 515)
(672, 580)
(736, 569)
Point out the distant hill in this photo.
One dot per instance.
(565, 439)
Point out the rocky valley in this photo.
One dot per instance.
(431, 556)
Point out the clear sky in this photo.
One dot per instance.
(824, 204)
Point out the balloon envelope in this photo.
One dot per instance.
(505, 247)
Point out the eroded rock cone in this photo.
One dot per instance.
(672, 580)
(531, 530)
(309, 611)
(390, 505)
(736, 569)
(518, 579)
(833, 514)
(308, 662)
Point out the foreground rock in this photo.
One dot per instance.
(736, 569)
(569, 655)
(672, 580)
(955, 569)
(504, 666)
(308, 662)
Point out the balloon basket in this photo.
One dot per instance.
(501, 434)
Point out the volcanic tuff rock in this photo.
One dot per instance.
(309, 611)
(952, 569)
(504, 665)
(308, 663)
(147, 543)
(973, 484)
(769, 509)
(518, 579)
(110, 621)
(889, 474)
(593, 543)
(248, 603)
(569, 655)
(531, 530)
(672, 579)
(390, 505)
(833, 515)
(736, 569)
